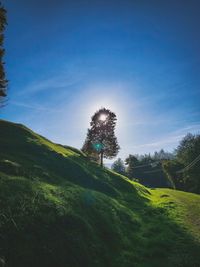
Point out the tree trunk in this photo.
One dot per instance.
(101, 163)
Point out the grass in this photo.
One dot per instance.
(59, 209)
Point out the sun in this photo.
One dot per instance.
(103, 117)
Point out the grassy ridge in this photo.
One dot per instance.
(59, 209)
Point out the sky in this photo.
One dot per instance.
(139, 58)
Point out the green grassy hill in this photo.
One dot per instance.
(59, 209)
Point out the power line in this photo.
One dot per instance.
(190, 165)
(141, 166)
(149, 164)
(159, 170)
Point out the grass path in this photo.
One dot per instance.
(183, 207)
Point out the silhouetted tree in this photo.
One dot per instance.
(101, 140)
(184, 170)
(162, 155)
(171, 167)
(3, 81)
(131, 162)
(118, 166)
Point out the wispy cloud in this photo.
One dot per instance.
(172, 138)
(33, 106)
(63, 79)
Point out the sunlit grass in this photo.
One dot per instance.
(67, 211)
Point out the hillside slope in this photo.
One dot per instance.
(59, 209)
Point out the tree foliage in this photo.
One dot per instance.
(131, 161)
(184, 170)
(147, 169)
(3, 81)
(118, 166)
(101, 141)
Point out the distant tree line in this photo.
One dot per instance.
(146, 169)
(179, 170)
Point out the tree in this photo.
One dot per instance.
(162, 155)
(171, 167)
(131, 162)
(184, 170)
(118, 166)
(188, 153)
(3, 81)
(101, 141)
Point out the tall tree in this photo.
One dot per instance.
(101, 139)
(131, 162)
(118, 166)
(184, 170)
(3, 81)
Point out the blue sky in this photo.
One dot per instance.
(141, 59)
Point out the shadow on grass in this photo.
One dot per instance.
(87, 228)
(80, 215)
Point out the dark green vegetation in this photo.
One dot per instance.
(184, 169)
(3, 81)
(179, 170)
(119, 167)
(148, 169)
(59, 209)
